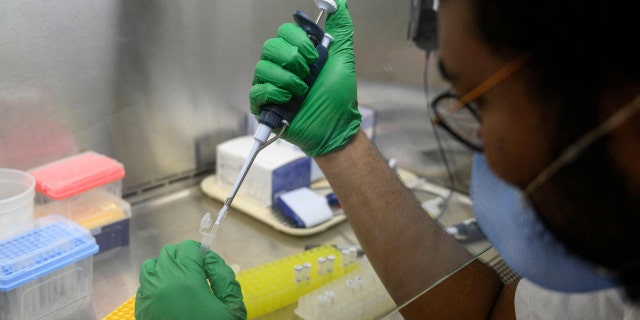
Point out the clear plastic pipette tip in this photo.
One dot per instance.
(208, 228)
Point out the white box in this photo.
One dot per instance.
(46, 269)
(278, 168)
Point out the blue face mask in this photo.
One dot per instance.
(525, 244)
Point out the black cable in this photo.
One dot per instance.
(441, 148)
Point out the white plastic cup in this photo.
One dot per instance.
(17, 194)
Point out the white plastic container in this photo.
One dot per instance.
(17, 193)
(47, 271)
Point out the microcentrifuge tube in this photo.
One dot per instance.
(359, 281)
(352, 286)
(307, 271)
(330, 295)
(322, 265)
(323, 300)
(298, 274)
(323, 305)
(331, 259)
(345, 257)
(353, 254)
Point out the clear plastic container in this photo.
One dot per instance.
(16, 202)
(90, 209)
(45, 269)
(85, 188)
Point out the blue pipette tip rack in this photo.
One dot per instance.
(56, 242)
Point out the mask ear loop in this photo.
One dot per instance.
(571, 152)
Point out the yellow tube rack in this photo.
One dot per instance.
(124, 312)
(277, 284)
(271, 286)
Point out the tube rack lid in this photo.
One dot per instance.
(70, 176)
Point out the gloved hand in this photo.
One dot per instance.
(329, 116)
(174, 286)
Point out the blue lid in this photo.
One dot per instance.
(42, 250)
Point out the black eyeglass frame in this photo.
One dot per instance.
(439, 118)
(475, 93)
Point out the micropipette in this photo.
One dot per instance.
(274, 117)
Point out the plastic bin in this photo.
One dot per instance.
(71, 176)
(16, 202)
(112, 235)
(45, 270)
(86, 188)
(90, 209)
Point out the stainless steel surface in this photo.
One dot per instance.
(243, 242)
(156, 84)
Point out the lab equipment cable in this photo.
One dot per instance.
(396, 310)
(441, 148)
(274, 117)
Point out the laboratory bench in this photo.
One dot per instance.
(242, 241)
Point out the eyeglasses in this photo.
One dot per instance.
(459, 115)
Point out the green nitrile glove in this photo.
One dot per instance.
(174, 286)
(329, 116)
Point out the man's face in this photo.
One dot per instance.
(585, 204)
(513, 130)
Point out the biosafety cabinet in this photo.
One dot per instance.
(139, 95)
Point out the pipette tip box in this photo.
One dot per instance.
(367, 124)
(46, 269)
(276, 169)
(76, 174)
(112, 235)
(87, 189)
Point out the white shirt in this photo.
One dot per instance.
(534, 302)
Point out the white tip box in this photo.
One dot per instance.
(277, 169)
